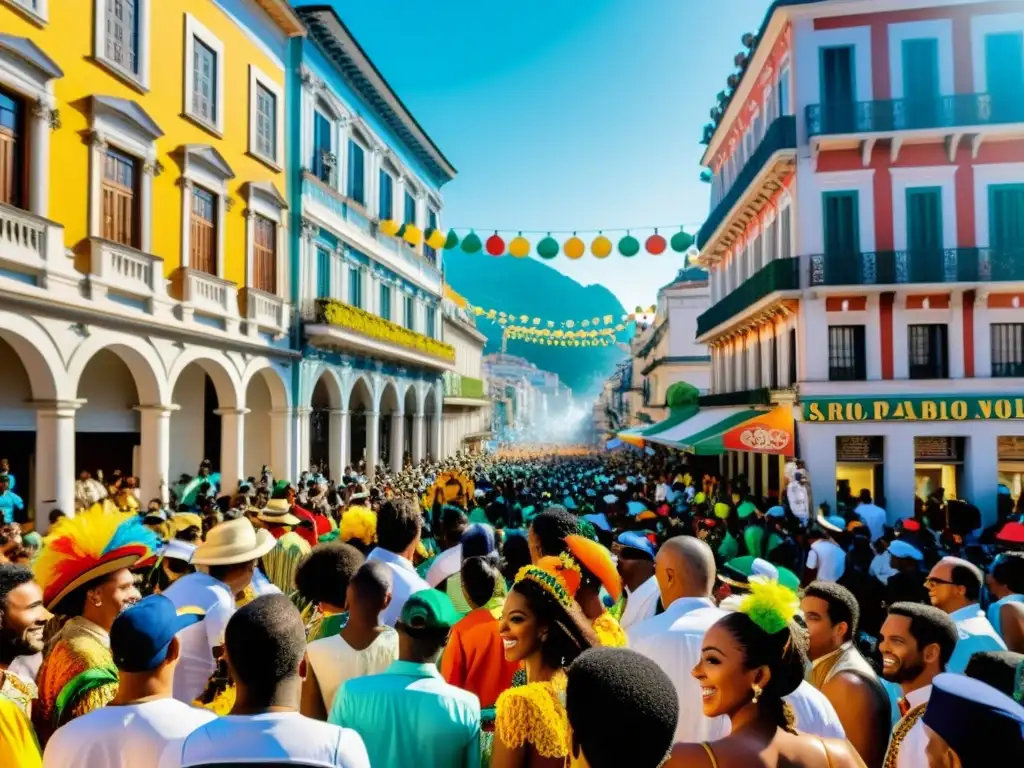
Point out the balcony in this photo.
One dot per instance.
(778, 275)
(959, 113)
(335, 325)
(209, 296)
(887, 268)
(464, 390)
(763, 172)
(32, 248)
(761, 396)
(125, 275)
(265, 312)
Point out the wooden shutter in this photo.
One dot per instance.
(119, 198)
(203, 237)
(264, 255)
(8, 165)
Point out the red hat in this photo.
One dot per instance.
(1012, 533)
(911, 525)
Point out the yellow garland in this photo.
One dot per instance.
(343, 315)
(534, 714)
(505, 318)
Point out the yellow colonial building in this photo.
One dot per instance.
(144, 278)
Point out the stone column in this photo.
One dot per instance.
(339, 442)
(54, 486)
(301, 416)
(155, 450)
(232, 447)
(372, 433)
(397, 440)
(42, 122)
(281, 441)
(435, 436)
(417, 438)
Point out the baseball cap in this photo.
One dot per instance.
(142, 634)
(428, 610)
(635, 540)
(903, 549)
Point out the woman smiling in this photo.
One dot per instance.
(543, 629)
(750, 660)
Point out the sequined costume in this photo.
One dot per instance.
(534, 714)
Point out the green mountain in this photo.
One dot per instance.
(531, 287)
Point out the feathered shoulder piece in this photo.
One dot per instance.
(768, 604)
(93, 543)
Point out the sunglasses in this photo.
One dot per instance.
(933, 582)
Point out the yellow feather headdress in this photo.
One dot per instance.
(768, 604)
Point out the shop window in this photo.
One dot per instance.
(929, 351)
(1007, 349)
(846, 353)
(938, 466)
(1011, 471)
(860, 465)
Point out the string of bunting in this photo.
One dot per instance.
(548, 247)
(558, 338)
(511, 319)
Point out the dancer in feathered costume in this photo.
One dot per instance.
(84, 572)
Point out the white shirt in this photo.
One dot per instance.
(881, 567)
(912, 750)
(673, 640)
(640, 605)
(334, 661)
(273, 737)
(814, 713)
(131, 736)
(196, 662)
(828, 558)
(446, 564)
(874, 518)
(976, 634)
(404, 582)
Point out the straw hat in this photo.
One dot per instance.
(233, 542)
(278, 512)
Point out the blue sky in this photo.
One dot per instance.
(564, 114)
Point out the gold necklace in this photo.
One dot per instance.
(900, 732)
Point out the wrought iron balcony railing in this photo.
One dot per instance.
(950, 265)
(778, 275)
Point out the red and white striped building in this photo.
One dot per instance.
(866, 244)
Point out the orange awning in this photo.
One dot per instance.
(771, 432)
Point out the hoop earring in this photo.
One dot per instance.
(757, 692)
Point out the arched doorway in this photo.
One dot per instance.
(324, 425)
(267, 426)
(391, 424)
(411, 407)
(360, 403)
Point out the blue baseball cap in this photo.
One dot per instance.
(599, 520)
(634, 540)
(142, 634)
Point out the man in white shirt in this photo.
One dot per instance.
(135, 728)
(398, 534)
(826, 560)
(954, 586)
(814, 713)
(685, 571)
(635, 563)
(265, 642)
(229, 556)
(917, 643)
(874, 517)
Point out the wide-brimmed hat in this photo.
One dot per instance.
(233, 542)
(278, 512)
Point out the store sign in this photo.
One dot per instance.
(967, 408)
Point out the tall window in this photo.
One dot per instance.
(929, 351)
(410, 209)
(431, 321)
(355, 287)
(773, 355)
(203, 237)
(430, 253)
(846, 353)
(786, 233)
(119, 189)
(771, 241)
(1007, 349)
(266, 122)
(385, 301)
(410, 317)
(121, 36)
(204, 82)
(783, 92)
(11, 146)
(386, 203)
(356, 176)
(323, 273)
(264, 255)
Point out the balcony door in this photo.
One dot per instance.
(842, 238)
(1004, 69)
(920, 84)
(838, 89)
(12, 146)
(1006, 231)
(924, 235)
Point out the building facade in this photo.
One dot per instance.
(865, 243)
(145, 302)
(667, 351)
(369, 386)
(467, 409)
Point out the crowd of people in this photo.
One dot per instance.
(537, 607)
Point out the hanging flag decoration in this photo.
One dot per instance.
(388, 227)
(412, 234)
(608, 323)
(603, 338)
(436, 239)
(549, 246)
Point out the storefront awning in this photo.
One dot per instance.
(772, 432)
(713, 431)
(637, 435)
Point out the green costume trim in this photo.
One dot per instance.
(81, 684)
